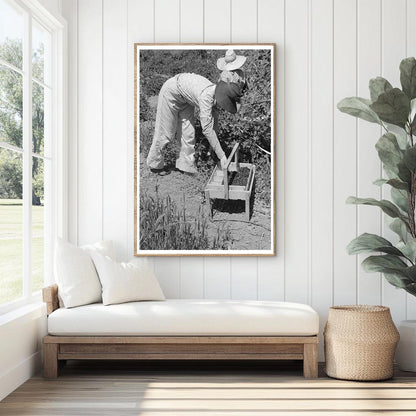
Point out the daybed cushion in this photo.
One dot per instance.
(186, 317)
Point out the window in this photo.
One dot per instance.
(31, 141)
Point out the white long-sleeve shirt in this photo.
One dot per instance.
(199, 91)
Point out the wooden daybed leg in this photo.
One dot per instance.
(50, 360)
(310, 360)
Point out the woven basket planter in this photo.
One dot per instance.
(360, 342)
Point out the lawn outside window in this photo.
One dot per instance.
(32, 139)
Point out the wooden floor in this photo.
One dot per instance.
(226, 389)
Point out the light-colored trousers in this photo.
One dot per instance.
(174, 118)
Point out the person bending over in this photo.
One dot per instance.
(178, 98)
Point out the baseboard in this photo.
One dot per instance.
(10, 380)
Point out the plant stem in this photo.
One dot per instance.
(412, 196)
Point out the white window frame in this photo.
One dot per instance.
(58, 211)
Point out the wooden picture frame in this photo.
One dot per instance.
(223, 209)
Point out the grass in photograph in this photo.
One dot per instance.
(11, 249)
(165, 226)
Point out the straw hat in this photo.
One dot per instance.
(231, 61)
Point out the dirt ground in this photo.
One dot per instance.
(188, 191)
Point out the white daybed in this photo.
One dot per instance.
(181, 329)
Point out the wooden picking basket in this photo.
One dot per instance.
(218, 186)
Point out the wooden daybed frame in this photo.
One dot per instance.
(58, 349)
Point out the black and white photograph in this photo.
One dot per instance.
(204, 149)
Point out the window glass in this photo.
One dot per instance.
(11, 34)
(11, 226)
(38, 118)
(38, 223)
(26, 219)
(41, 45)
(11, 107)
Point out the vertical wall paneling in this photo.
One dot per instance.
(411, 51)
(217, 21)
(244, 21)
(321, 151)
(217, 282)
(192, 21)
(168, 274)
(244, 278)
(244, 29)
(70, 11)
(296, 152)
(368, 162)
(167, 20)
(393, 51)
(167, 29)
(217, 29)
(90, 183)
(326, 50)
(140, 18)
(271, 29)
(115, 158)
(345, 151)
(192, 277)
(411, 28)
(192, 30)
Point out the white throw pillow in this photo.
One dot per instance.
(126, 282)
(104, 247)
(75, 273)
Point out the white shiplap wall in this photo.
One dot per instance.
(326, 50)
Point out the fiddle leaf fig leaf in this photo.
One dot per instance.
(380, 182)
(400, 228)
(400, 198)
(395, 183)
(388, 207)
(381, 263)
(402, 139)
(412, 109)
(378, 86)
(410, 272)
(408, 77)
(359, 107)
(366, 243)
(408, 249)
(411, 289)
(389, 151)
(404, 172)
(392, 107)
(410, 158)
(398, 184)
(397, 280)
(395, 270)
(412, 116)
(391, 174)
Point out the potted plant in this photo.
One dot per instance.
(394, 109)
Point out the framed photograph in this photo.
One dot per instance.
(204, 149)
